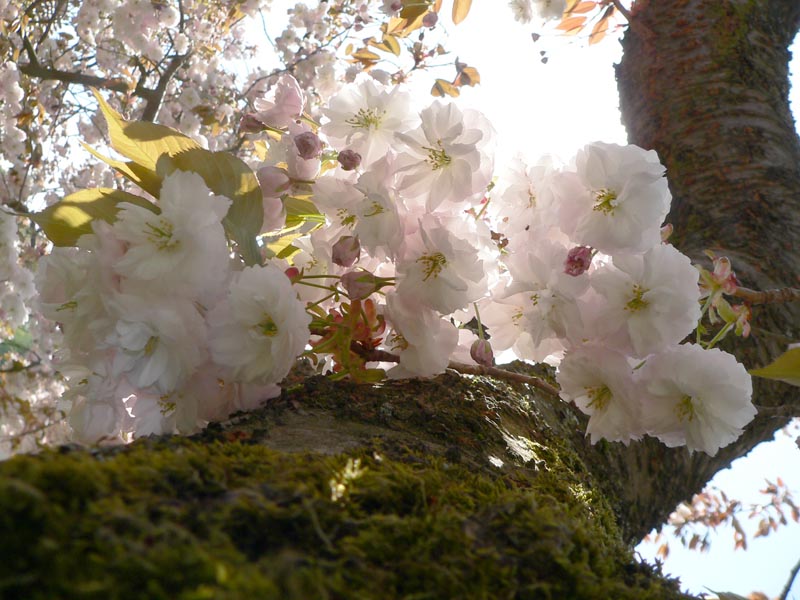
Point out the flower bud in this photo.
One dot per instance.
(430, 19)
(578, 260)
(346, 251)
(481, 353)
(251, 124)
(349, 160)
(308, 145)
(359, 284)
(293, 273)
(666, 231)
(396, 5)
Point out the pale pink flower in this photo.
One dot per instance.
(283, 104)
(601, 383)
(696, 397)
(260, 328)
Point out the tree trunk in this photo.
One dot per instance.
(705, 84)
(457, 487)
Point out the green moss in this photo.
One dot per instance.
(397, 516)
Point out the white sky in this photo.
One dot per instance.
(556, 108)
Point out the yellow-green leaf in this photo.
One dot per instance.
(142, 142)
(784, 368)
(391, 42)
(299, 211)
(460, 10)
(228, 176)
(64, 222)
(146, 179)
(444, 88)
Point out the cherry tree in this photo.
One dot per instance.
(375, 226)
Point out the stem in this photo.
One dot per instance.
(788, 588)
(720, 334)
(778, 296)
(478, 318)
(498, 373)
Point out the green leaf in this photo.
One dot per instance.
(146, 179)
(227, 175)
(784, 368)
(143, 142)
(64, 222)
(299, 211)
(20, 343)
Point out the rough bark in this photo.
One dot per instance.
(247, 510)
(705, 84)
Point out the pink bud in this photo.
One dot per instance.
(397, 5)
(293, 273)
(359, 284)
(250, 124)
(308, 145)
(273, 181)
(481, 353)
(578, 260)
(346, 251)
(430, 19)
(349, 160)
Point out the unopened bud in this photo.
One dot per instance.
(346, 251)
(430, 19)
(349, 160)
(308, 145)
(359, 284)
(251, 124)
(396, 5)
(293, 273)
(578, 260)
(481, 353)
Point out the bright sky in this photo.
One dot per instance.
(555, 108)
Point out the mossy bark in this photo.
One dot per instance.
(394, 491)
(457, 487)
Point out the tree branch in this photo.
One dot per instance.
(788, 588)
(155, 96)
(780, 296)
(35, 69)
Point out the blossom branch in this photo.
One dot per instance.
(498, 373)
(35, 69)
(463, 368)
(768, 296)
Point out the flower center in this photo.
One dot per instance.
(599, 397)
(605, 201)
(685, 409)
(366, 118)
(374, 209)
(432, 264)
(160, 234)
(437, 157)
(637, 302)
(346, 218)
(150, 346)
(267, 326)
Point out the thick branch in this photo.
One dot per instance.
(35, 69)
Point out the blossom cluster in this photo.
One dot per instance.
(415, 257)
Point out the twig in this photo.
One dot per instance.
(768, 296)
(785, 594)
(498, 373)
